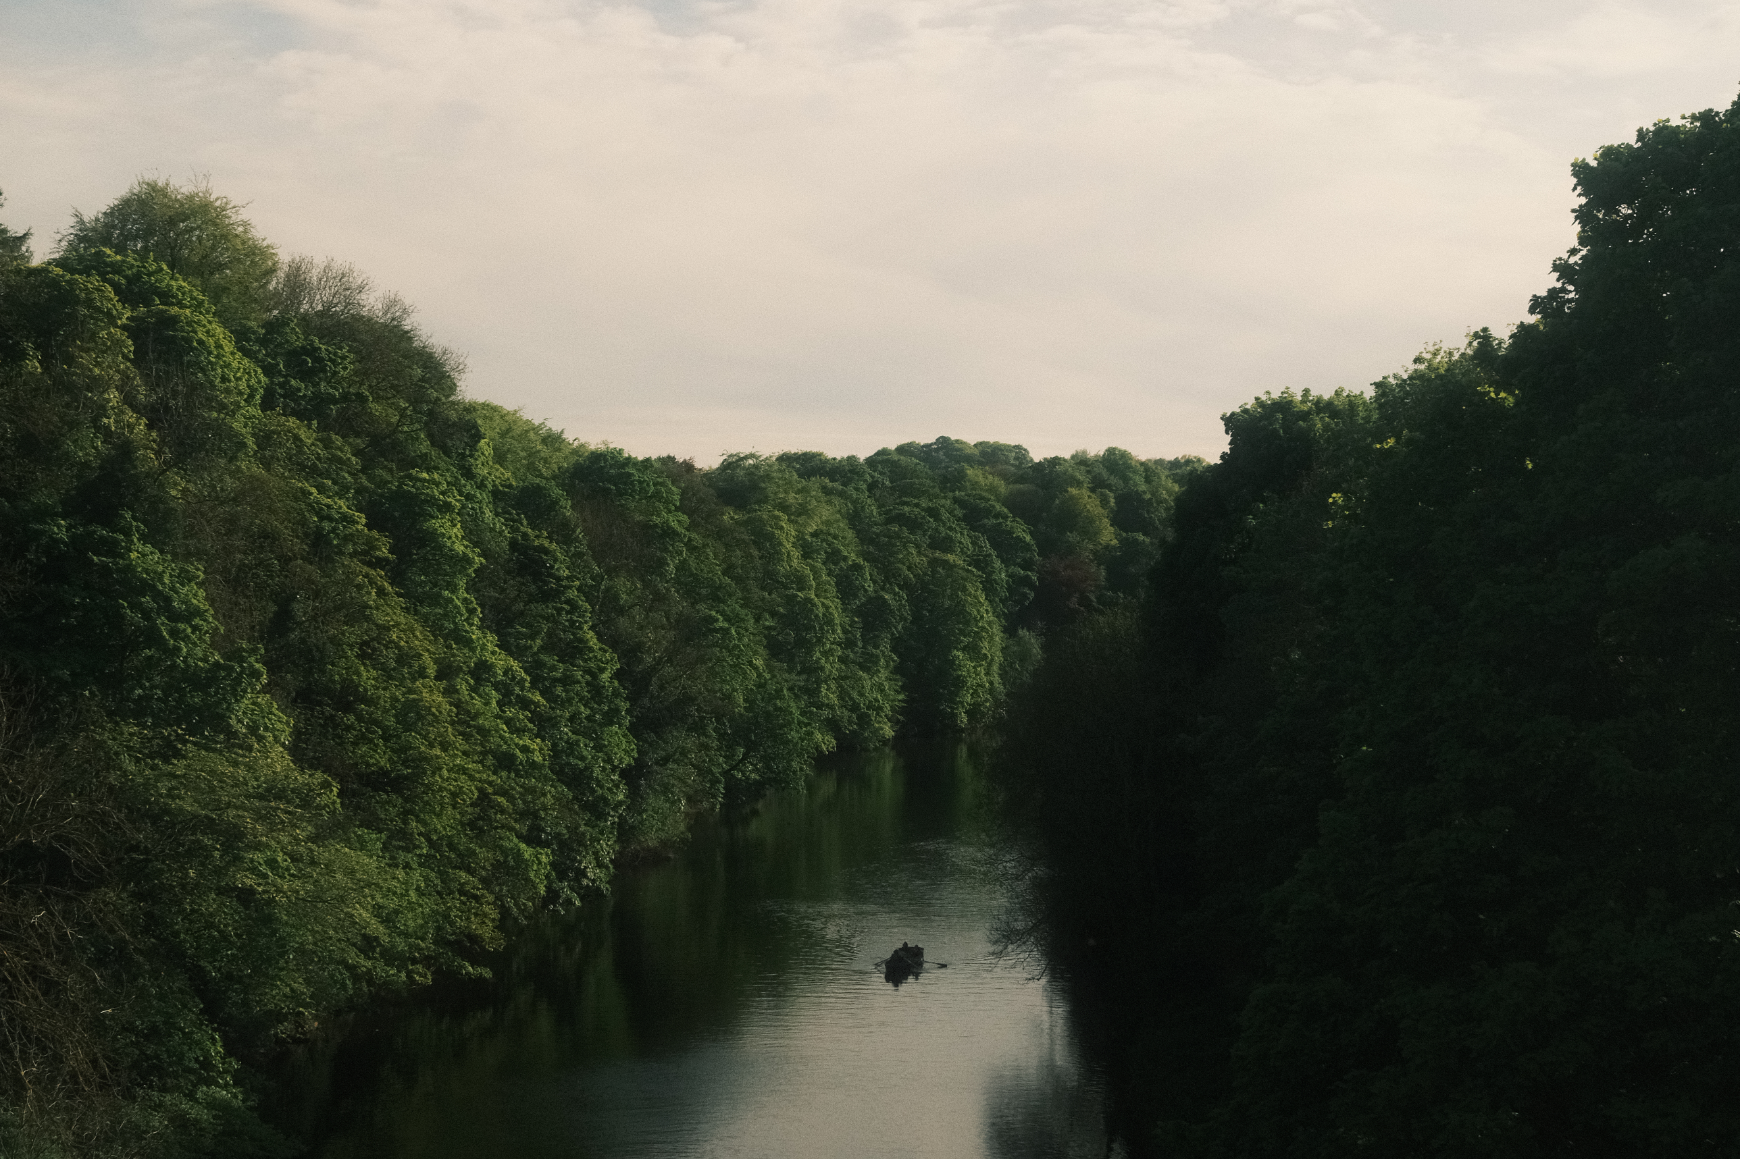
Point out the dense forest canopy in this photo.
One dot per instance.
(1404, 819)
(1381, 774)
(314, 672)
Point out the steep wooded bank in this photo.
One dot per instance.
(314, 673)
(1406, 819)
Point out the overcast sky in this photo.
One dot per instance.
(689, 226)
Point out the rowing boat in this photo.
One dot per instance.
(903, 963)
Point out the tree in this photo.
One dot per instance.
(14, 247)
(1436, 728)
(200, 235)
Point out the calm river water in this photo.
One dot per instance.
(727, 1003)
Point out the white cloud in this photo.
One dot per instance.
(1613, 40)
(705, 225)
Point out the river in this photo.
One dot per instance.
(728, 1003)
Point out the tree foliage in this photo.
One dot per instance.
(1430, 722)
(201, 236)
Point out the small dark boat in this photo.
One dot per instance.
(903, 963)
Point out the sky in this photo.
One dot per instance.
(697, 226)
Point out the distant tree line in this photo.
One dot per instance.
(1403, 816)
(315, 673)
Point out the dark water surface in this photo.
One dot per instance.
(727, 1003)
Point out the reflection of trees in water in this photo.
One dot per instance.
(404, 1077)
(1051, 1111)
(1058, 1108)
(1035, 930)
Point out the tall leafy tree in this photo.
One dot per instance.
(200, 235)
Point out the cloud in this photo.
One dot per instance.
(693, 226)
(1612, 40)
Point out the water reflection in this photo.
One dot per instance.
(732, 1002)
(1046, 1109)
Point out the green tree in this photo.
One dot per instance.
(200, 235)
(151, 815)
(1432, 729)
(14, 246)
